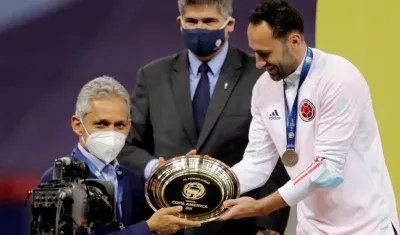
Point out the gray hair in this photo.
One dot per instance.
(100, 87)
(224, 6)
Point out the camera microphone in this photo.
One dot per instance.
(65, 160)
(83, 169)
(75, 167)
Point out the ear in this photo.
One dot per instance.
(231, 25)
(129, 125)
(76, 125)
(294, 40)
(179, 20)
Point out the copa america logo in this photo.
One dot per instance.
(193, 191)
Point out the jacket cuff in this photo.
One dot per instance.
(293, 193)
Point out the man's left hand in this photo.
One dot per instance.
(267, 232)
(192, 152)
(241, 208)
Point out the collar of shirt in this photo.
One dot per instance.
(293, 79)
(97, 162)
(215, 64)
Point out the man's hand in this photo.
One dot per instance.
(165, 221)
(241, 208)
(267, 232)
(161, 162)
(192, 152)
(249, 207)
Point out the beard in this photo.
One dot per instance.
(283, 68)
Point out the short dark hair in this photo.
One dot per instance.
(281, 16)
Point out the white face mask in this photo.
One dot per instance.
(105, 145)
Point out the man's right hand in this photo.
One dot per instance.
(267, 232)
(165, 221)
(161, 161)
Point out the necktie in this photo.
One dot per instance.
(201, 97)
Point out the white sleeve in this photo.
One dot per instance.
(260, 156)
(343, 99)
(151, 165)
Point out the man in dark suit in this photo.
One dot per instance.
(102, 123)
(196, 100)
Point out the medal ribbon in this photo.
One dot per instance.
(291, 116)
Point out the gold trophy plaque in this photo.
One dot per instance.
(198, 183)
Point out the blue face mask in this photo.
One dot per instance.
(204, 42)
(329, 178)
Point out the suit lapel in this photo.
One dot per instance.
(127, 202)
(227, 80)
(183, 102)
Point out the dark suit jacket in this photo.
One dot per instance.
(163, 124)
(134, 207)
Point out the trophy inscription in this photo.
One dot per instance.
(200, 184)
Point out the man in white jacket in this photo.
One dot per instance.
(315, 111)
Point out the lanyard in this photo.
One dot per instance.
(291, 116)
(120, 191)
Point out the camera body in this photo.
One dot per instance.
(70, 203)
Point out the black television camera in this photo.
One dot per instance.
(69, 204)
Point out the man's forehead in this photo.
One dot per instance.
(109, 119)
(106, 117)
(200, 12)
(260, 36)
(110, 108)
(108, 102)
(260, 31)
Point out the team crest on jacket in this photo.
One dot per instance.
(307, 110)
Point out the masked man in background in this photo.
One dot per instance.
(199, 99)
